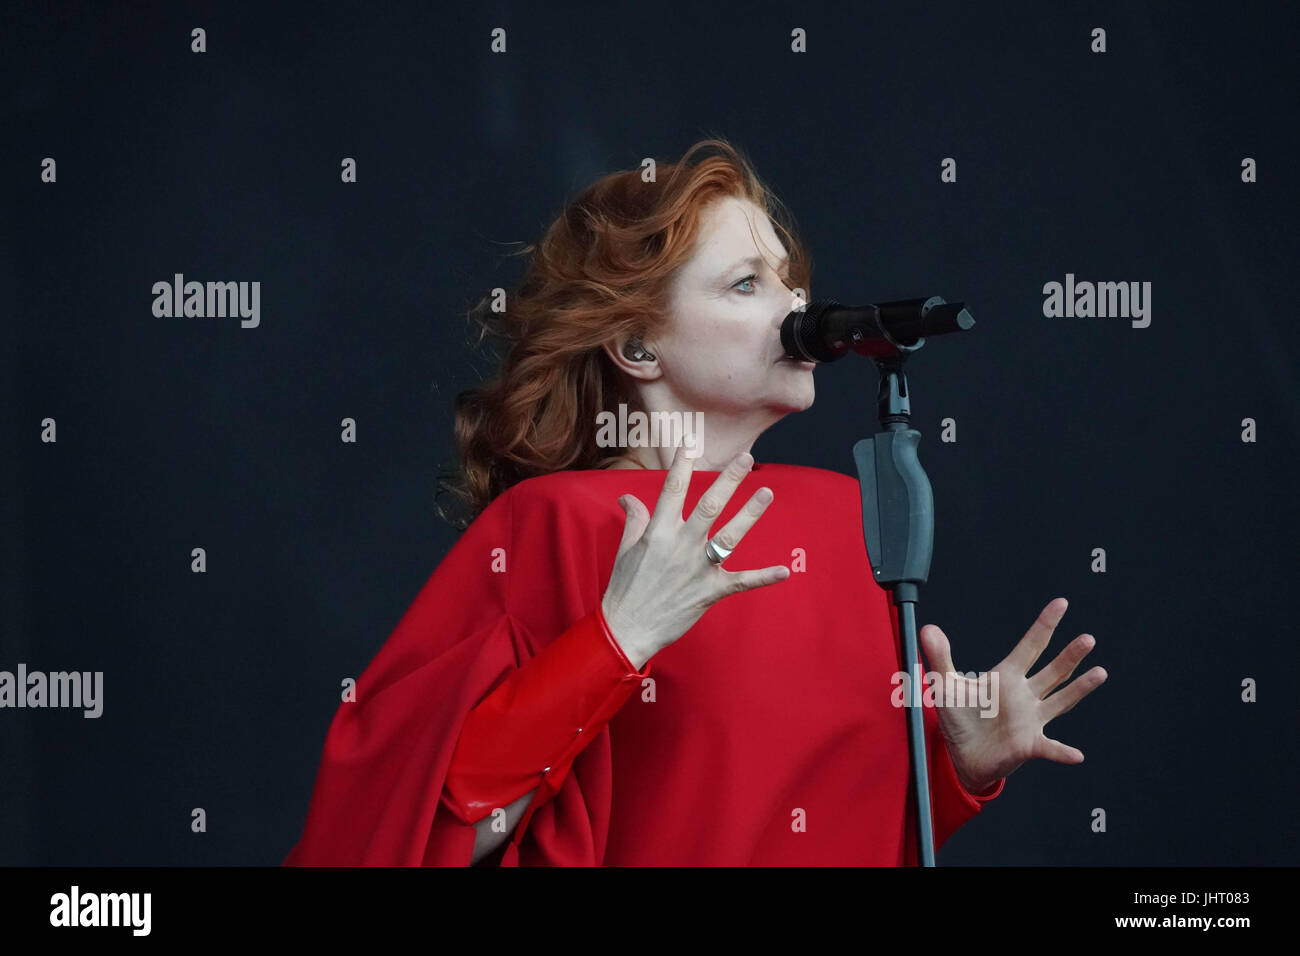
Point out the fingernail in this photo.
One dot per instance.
(764, 495)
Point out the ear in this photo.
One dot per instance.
(646, 369)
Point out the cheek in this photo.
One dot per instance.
(712, 366)
(725, 344)
(712, 339)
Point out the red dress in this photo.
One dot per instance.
(765, 735)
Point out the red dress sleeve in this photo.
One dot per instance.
(518, 577)
(951, 804)
(525, 735)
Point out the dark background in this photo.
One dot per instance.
(1073, 434)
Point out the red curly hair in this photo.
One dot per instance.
(603, 268)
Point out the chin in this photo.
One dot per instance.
(796, 405)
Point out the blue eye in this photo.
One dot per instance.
(748, 278)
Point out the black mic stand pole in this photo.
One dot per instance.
(898, 525)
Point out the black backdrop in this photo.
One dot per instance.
(1073, 434)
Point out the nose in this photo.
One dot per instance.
(776, 330)
(789, 302)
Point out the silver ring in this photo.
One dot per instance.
(715, 554)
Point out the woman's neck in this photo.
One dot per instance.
(625, 462)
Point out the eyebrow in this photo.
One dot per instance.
(755, 261)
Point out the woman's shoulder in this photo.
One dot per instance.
(807, 473)
(556, 493)
(573, 511)
(565, 488)
(570, 488)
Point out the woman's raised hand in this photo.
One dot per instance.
(663, 581)
(986, 744)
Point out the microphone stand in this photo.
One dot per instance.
(898, 518)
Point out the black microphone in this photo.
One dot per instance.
(826, 331)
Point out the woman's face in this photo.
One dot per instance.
(720, 348)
